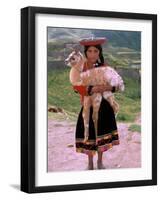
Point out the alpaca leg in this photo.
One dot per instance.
(110, 98)
(86, 123)
(113, 104)
(86, 114)
(116, 107)
(95, 120)
(96, 105)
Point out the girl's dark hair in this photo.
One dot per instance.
(99, 47)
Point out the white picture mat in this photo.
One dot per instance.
(43, 178)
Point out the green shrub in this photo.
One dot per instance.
(135, 127)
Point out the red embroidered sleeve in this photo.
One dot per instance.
(81, 89)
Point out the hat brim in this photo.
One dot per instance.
(92, 42)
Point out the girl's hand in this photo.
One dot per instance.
(101, 88)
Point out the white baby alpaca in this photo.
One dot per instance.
(94, 76)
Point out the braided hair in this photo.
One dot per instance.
(101, 58)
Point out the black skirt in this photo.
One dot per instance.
(107, 135)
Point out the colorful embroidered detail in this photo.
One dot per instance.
(105, 135)
(115, 142)
(82, 139)
(114, 133)
(101, 144)
(86, 151)
(105, 147)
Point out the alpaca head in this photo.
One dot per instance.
(76, 60)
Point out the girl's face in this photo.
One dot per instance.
(92, 54)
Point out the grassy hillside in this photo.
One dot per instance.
(61, 94)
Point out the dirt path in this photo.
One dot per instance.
(63, 157)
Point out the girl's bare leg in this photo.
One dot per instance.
(90, 162)
(99, 161)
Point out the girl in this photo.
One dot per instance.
(107, 129)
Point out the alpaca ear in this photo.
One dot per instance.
(76, 48)
(83, 58)
(76, 51)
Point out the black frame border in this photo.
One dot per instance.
(28, 98)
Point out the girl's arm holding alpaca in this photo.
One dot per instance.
(102, 88)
